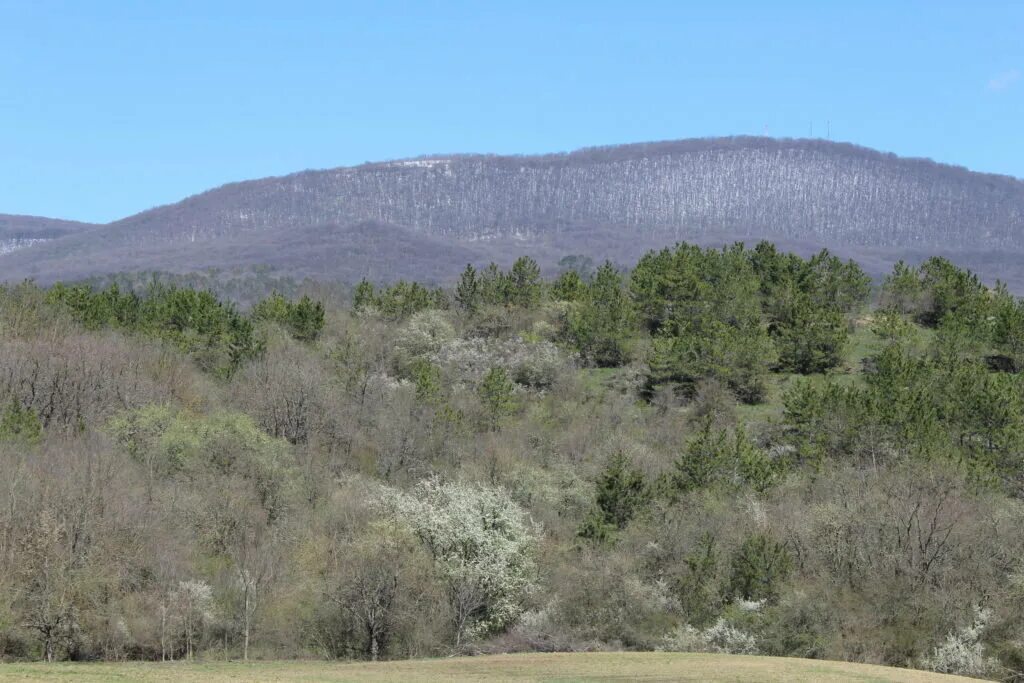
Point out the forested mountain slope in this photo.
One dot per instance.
(723, 450)
(606, 202)
(18, 232)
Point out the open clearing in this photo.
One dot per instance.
(562, 667)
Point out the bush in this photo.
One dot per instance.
(720, 637)
(963, 652)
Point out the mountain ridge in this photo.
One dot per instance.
(613, 198)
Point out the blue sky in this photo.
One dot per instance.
(108, 108)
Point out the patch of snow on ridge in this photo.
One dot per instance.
(421, 163)
(7, 246)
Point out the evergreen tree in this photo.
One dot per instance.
(364, 296)
(810, 338)
(759, 567)
(19, 423)
(902, 289)
(403, 299)
(497, 395)
(705, 459)
(947, 289)
(427, 378)
(307, 319)
(304, 320)
(622, 494)
(569, 287)
(524, 285)
(601, 325)
(467, 292)
(493, 285)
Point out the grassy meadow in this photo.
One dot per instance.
(562, 667)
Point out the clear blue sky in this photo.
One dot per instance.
(108, 108)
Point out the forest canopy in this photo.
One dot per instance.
(728, 450)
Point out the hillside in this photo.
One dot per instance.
(593, 666)
(603, 202)
(723, 451)
(18, 232)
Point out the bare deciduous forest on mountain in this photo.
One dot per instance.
(424, 218)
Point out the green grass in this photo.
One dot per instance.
(563, 667)
(863, 342)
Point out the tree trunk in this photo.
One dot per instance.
(163, 633)
(245, 634)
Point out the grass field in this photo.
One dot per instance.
(605, 666)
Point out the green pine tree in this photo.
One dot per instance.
(467, 292)
(622, 494)
(497, 395)
(20, 423)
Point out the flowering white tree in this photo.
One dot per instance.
(482, 542)
(192, 602)
(532, 364)
(963, 652)
(424, 334)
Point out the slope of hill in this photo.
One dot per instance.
(18, 232)
(613, 201)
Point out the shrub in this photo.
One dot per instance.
(720, 637)
(963, 652)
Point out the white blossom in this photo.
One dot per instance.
(483, 543)
(963, 652)
(721, 637)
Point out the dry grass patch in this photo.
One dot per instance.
(605, 666)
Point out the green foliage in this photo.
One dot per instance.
(170, 443)
(622, 494)
(936, 289)
(521, 286)
(696, 587)
(704, 310)
(303, 319)
(1008, 327)
(600, 326)
(782, 527)
(467, 292)
(427, 378)
(902, 289)
(569, 287)
(806, 303)
(524, 286)
(403, 299)
(20, 424)
(583, 265)
(364, 296)
(106, 308)
(948, 289)
(196, 322)
(399, 301)
(810, 339)
(759, 567)
(705, 460)
(740, 357)
(497, 393)
(493, 285)
(716, 456)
